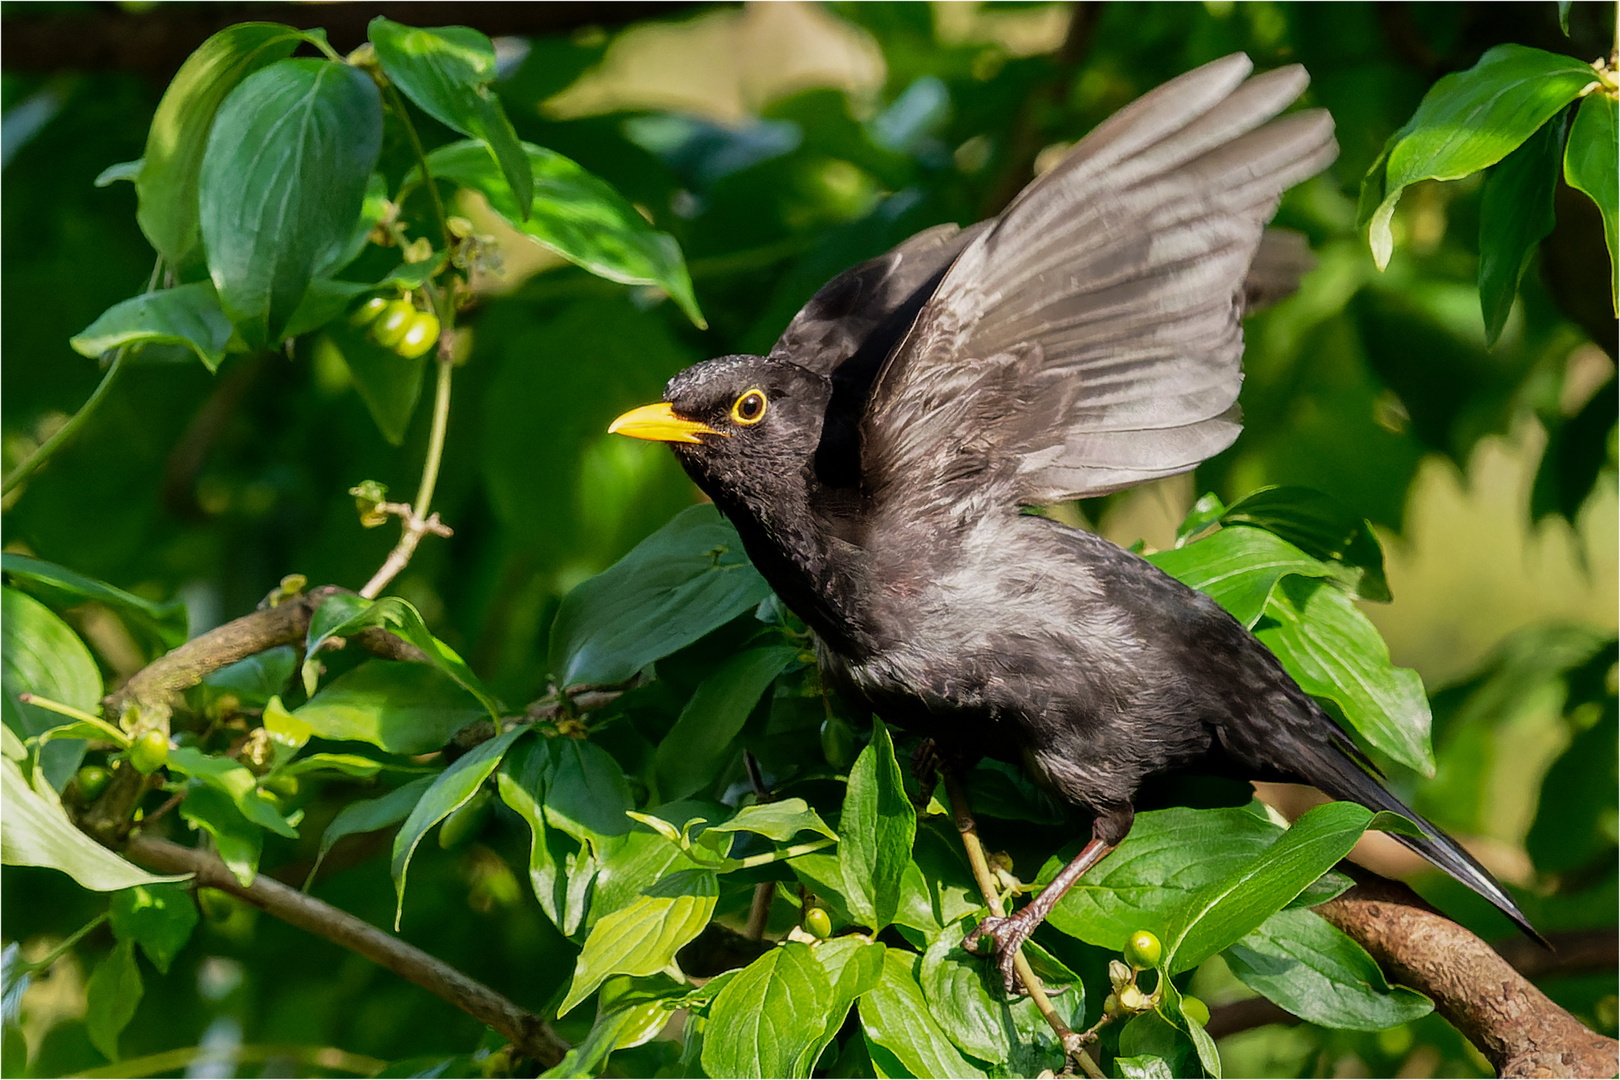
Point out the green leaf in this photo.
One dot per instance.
(853, 967)
(876, 831)
(238, 841)
(111, 995)
(256, 679)
(1170, 1009)
(964, 994)
(167, 181)
(1515, 215)
(779, 821)
(1321, 527)
(159, 918)
(1204, 513)
(63, 588)
(686, 579)
(573, 796)
(1467, 121)
(40, 654)
(578, 215)
(642, 937)
(769, 1019)
(616, 1029)
(343, 615)
(370, 815)
(35, 832)
(1589, 166)
(234, 780)
(895, 1016)
(1311, 968)
(388, 383)
(283, 180)
(402, 707)
(1155, 1045)
(187, 315)
(1239, 568)
(452, 789)
(1150, 875)
(1334, 652)
(447, 72)
(1226, 910)
(691, 756)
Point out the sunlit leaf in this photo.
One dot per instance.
(282, 183)
(577, 215)
(642, 937)
(167, 180)
(40, 654)
(187, 315)
(1589, 166)
(1311, 968)
(876, 830)
(447, 72)
(1467, 121)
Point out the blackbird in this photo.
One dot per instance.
(876, 464)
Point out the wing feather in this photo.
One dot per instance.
(1091, 337)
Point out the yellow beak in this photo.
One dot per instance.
(659, 423)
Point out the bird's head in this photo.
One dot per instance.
(744, 427)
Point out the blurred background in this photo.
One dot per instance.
(781, 143)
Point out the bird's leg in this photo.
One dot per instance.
(1073, 1044)
(1010, 933)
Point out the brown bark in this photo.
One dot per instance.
(529, 1033)
(1517, 1027)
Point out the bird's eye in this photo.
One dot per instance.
(750, 408)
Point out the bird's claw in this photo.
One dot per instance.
(1007, 936)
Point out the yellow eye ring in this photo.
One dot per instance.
(749, 409)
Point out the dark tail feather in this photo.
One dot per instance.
(1342, 779)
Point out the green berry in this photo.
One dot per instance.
(818, 923)
(1111, 1005)
(391, 325)
(92, 781)
(420, 335)
(150, 752)
(1143, 950)
(1193, 1009)
(367, 312)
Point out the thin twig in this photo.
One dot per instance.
(963, 815)
(62, 434)
(530, 1034)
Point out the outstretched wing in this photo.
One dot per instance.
(1091, 338)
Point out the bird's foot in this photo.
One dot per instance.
(1006, 936)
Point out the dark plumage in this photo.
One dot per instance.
(1086, 340)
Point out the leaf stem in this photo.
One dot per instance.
(963, 815)
(62, 709)
(419, 522)
(768, 857)
(61, 950)
(51, 445)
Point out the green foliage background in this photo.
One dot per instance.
(210, 487)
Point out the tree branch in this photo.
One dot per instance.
(1517, 1027)
(154, 686)
(530, 1034)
